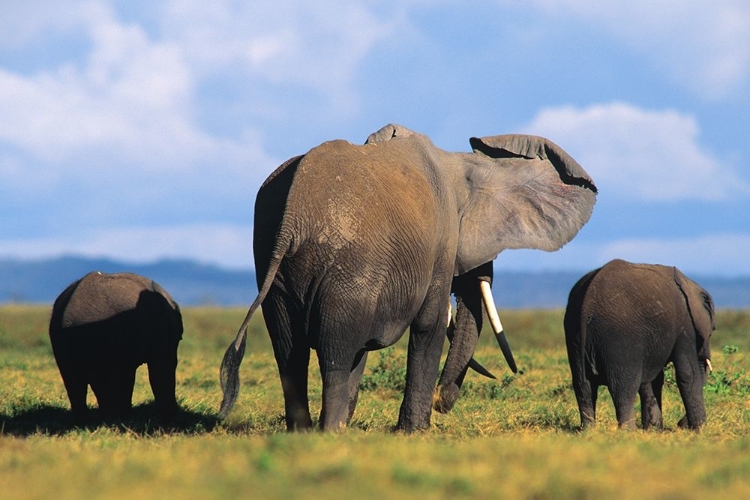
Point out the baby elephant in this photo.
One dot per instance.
(103, 327)
(623, 324)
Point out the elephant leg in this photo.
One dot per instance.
(355, 377)
(161, 377)
(426, 338)
(334, 412)
(114, 390)
(76, 387)
(294, 385)
(586, 393)
(623, 396)
(650, 394)
(292, 358)
(690, 379)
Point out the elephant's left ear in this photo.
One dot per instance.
(524, 192)
(701, 308)
(534, 147)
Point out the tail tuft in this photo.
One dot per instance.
(229, 376)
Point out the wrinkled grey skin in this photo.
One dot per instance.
(103, 327)
(624, 322)
(353, 244)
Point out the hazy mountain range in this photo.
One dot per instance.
(192, 283)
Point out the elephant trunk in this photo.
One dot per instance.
(463, 335)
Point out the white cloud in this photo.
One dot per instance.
(704, 46)
(317, 45)
(128, 105)
(224, 244)
(640, 154)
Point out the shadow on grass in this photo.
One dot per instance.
(142, 421)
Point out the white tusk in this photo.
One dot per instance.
(450, 315)
(708, 365)
(489, 304)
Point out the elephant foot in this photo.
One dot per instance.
(168, 413)
(409, 425)
(445, 397)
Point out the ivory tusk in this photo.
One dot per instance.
(450, 315)
(497, 327)
(708, 365)
(489, 304)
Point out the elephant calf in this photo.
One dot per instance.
(103, 327)
(624, 322)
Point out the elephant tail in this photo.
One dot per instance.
(229, 374)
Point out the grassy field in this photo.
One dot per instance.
(516, 437)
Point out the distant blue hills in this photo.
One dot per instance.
(192, 283)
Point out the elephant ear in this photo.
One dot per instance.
(524, 192)
(701, 308)
(390, 131)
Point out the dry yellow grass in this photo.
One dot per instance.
(512, 438)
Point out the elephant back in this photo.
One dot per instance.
(98, 297)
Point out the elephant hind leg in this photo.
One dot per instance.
(586, 394)
(161, 377)
(294, 384)
(355, 377)
(76, 387)
(334, 412)
(650, 394)
(292, 355)
(623, 397)
(114, 390)
(426, 337)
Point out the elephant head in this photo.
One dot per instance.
(513, 191)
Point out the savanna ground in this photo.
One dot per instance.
(516, 437)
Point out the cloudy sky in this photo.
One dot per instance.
(140, 130)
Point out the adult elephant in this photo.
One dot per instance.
(624, 322)
(103, 327)
(353, 244)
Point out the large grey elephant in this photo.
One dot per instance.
(353, 244)
(103, 327)
(624, 322)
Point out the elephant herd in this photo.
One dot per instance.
(353, 244)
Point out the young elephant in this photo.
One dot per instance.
(624, 322)
(103, 327)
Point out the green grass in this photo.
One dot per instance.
(516, 437)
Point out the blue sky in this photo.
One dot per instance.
(140, 130)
